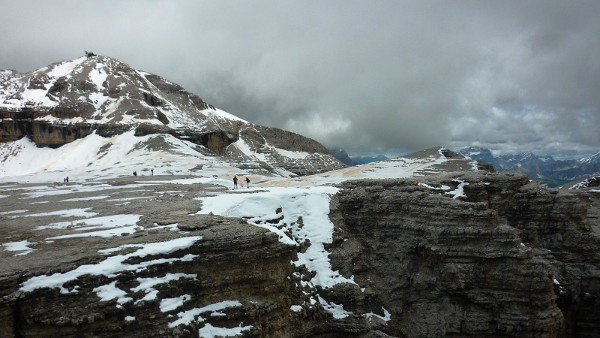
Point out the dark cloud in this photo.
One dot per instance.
(381, 76)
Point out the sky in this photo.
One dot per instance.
(372, 77)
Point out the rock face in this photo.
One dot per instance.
(69, 100)
(509, 258)
(462, 254)
(175, 275)
(241, 268)
(343, 156)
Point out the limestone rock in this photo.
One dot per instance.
(507, 258)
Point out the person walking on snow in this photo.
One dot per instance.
(247, 182)
(235, 179)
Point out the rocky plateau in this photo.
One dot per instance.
(510, 258)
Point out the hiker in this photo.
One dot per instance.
(235, 179)
(247, 182)
(152, 171)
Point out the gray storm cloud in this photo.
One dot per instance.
(381, 76)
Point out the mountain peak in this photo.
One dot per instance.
(104, 90)
(96, 94)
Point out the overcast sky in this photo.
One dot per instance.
(367, 76)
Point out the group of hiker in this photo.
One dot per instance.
(151, 172)
(235, 182)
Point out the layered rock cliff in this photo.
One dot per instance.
(459, 254)
(161, 272)
(507, 258)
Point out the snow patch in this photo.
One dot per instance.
(170, 304)
(443, 187)
(98, 76)
(336, 310)
(65, 68)
(147, 284)
(459, 191)
(110, 291)
(22, 247)
(78, 212)
(387, 316)
(3, 213)
(112, 221)
(193, 315)
(209, 331)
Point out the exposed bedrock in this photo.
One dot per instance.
(463, 254)
(46, 134)
(509, 258)
(240, 269)
(54, 135)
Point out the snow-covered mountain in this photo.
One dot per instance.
(106, 105)
(591, 160)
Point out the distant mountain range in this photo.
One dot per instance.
(541, 168)
(343, 157)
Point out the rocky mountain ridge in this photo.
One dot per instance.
(70, 100)
(544, 168)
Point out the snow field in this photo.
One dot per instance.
(96, 157)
